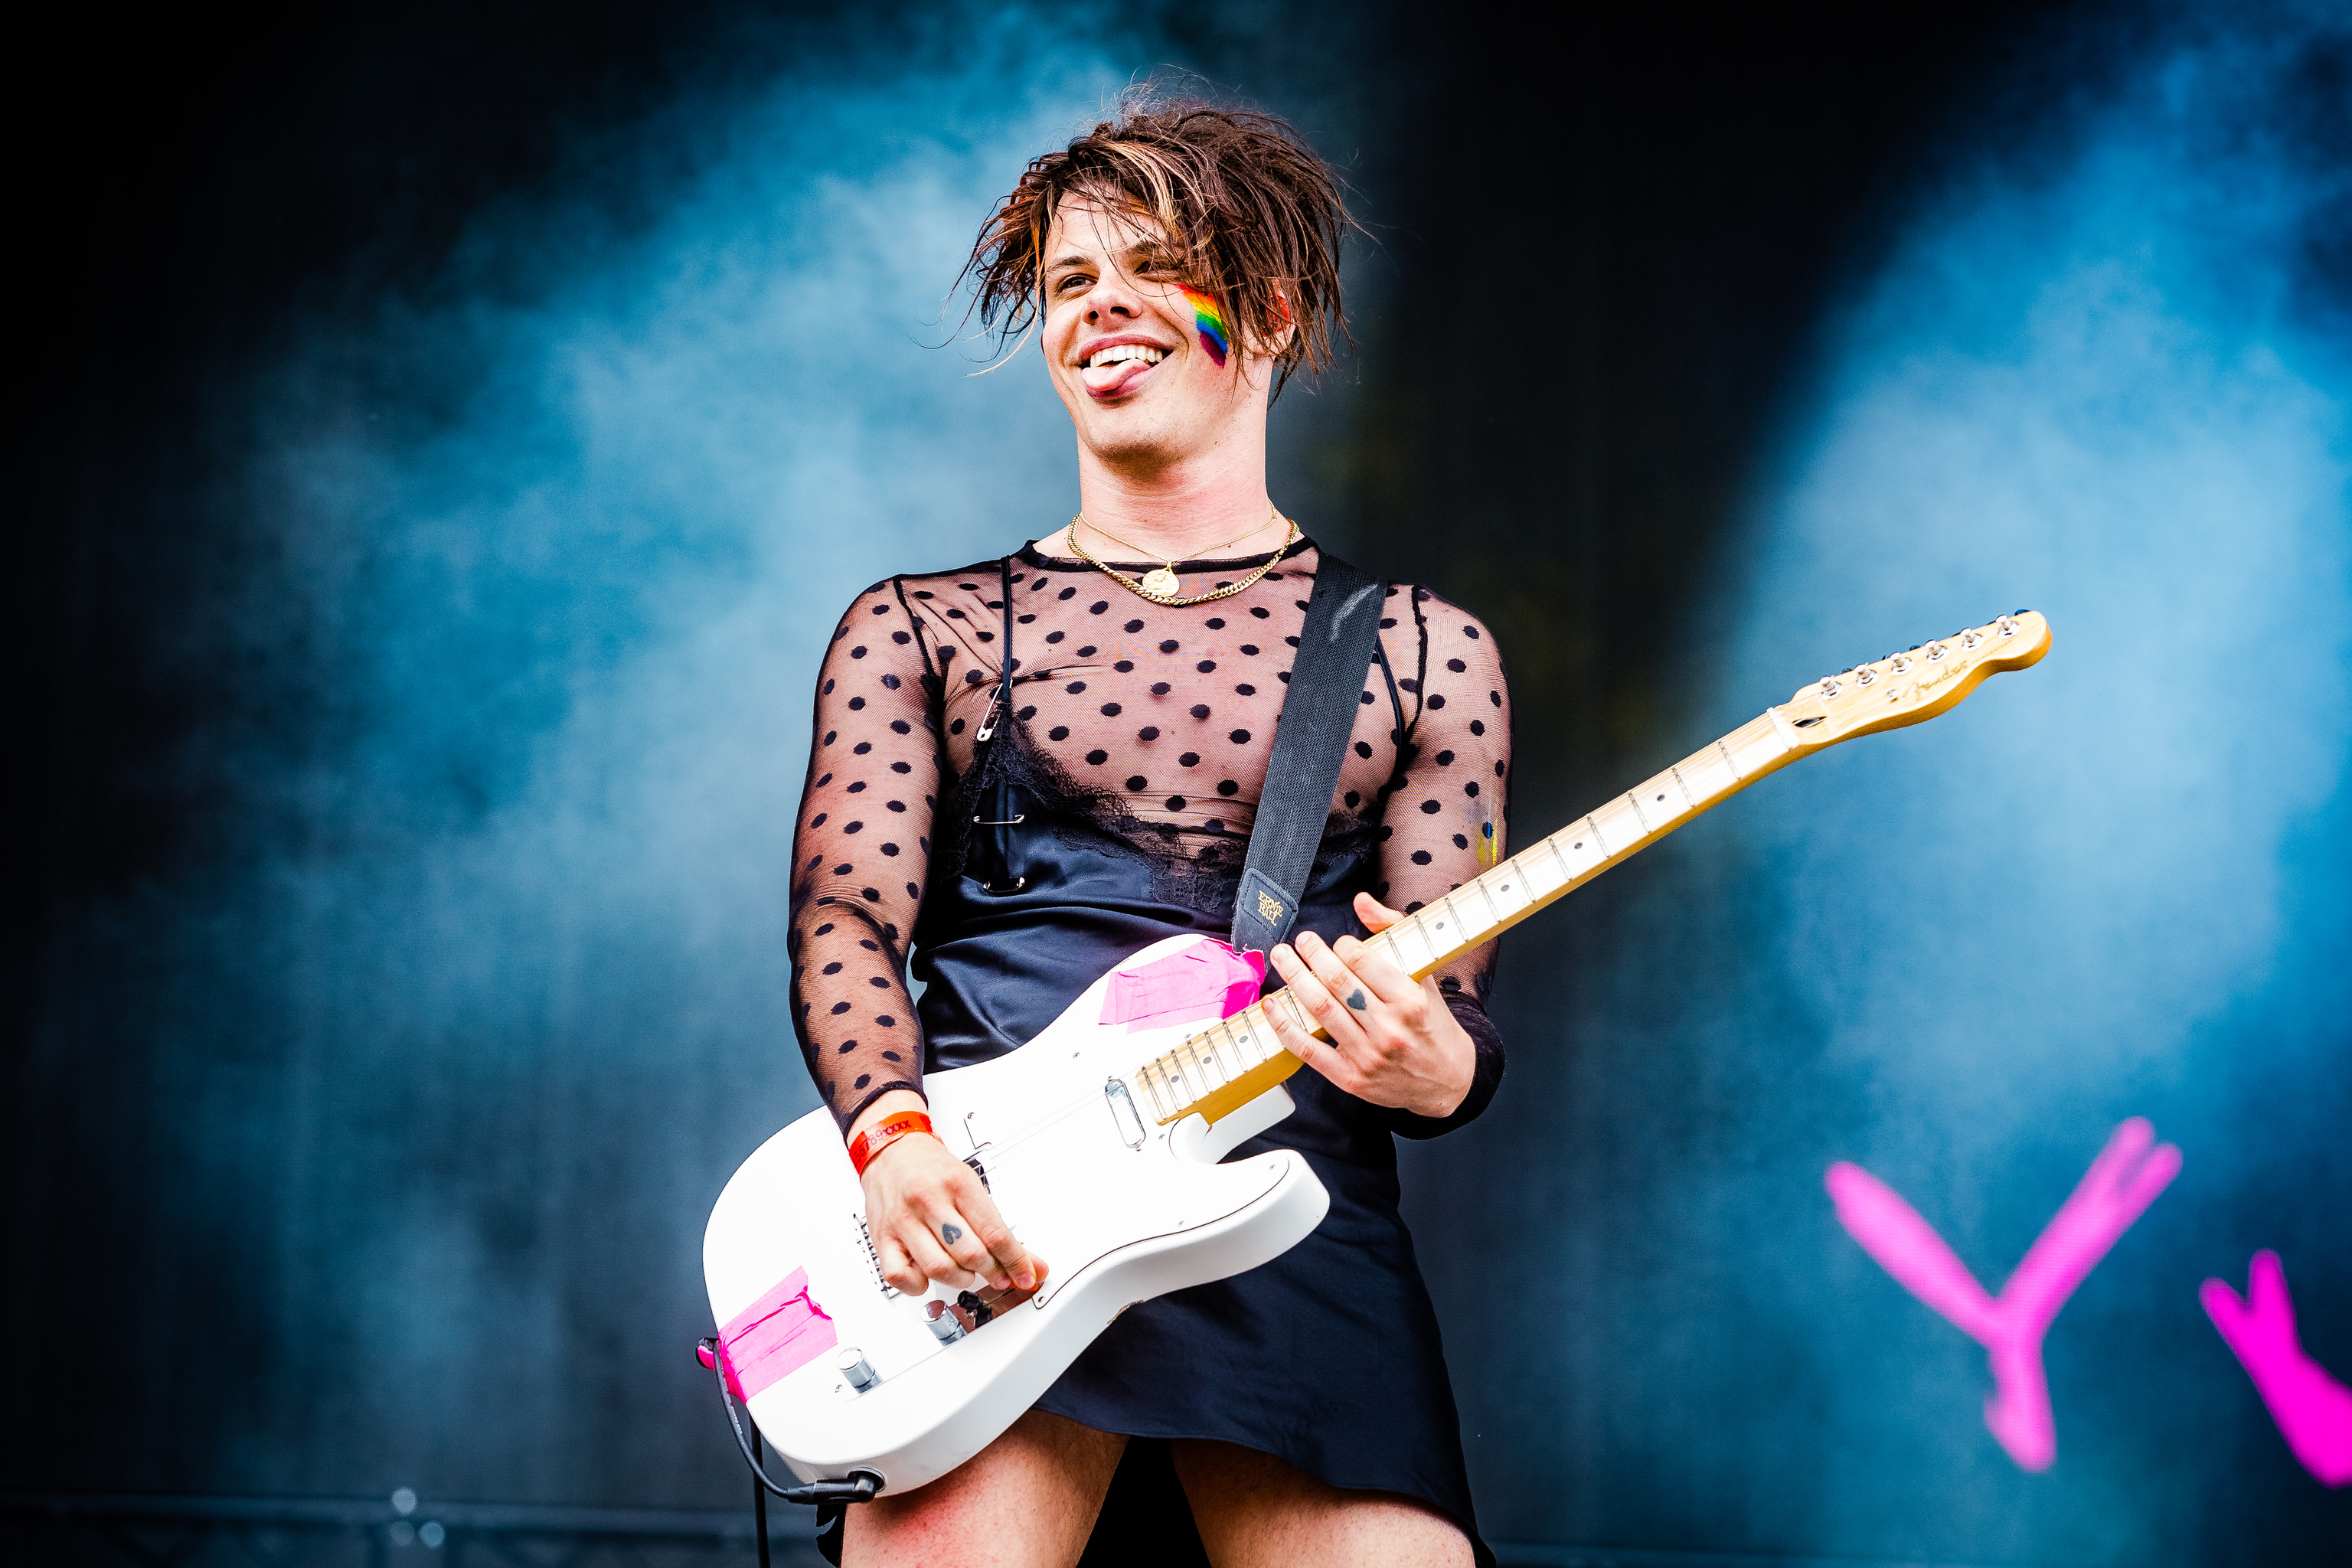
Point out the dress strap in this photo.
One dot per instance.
(1002, 708)
(1004, 581)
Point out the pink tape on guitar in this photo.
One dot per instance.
(776, 1334)
(1208, 980)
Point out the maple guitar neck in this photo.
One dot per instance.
(1229, 1064)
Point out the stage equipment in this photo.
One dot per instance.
(1100, 1138)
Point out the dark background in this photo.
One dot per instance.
(1608, 237)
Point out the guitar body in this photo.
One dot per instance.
(1121, 1208)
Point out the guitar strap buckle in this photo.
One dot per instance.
(1264, 912)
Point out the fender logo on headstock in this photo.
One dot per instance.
(1921, 688)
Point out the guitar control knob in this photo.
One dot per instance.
(855, 1370)
(942, 1322)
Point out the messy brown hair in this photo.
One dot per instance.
(1255, 216)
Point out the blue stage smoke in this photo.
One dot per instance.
(2101, 373)
(2107, 380)
(556, 546)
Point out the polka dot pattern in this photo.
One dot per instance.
(1168, 713)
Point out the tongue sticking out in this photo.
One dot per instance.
(1111, 380)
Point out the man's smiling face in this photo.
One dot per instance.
(1125, 353)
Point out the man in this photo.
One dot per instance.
(1176, 265)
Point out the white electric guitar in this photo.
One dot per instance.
(1100, 1138)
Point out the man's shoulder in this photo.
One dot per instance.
(1432, 609)
(980, 576)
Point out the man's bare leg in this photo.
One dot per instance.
(1027, 1501)
(1255, 1510)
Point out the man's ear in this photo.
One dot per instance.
(1279, 328)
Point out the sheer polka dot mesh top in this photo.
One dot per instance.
(1158, 719)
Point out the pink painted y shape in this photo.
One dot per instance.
(2122, 1182)
(2314, 1411)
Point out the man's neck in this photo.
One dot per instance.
(1182, 509)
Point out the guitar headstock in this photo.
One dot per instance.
(1908, 688)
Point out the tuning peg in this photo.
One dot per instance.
(1829, 686)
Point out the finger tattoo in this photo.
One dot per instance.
(951, 1232)
(1356, 999)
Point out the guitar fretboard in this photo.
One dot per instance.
(1229, 1064)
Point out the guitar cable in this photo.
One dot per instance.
(830, 1499)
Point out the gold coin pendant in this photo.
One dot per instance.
(1160, 581)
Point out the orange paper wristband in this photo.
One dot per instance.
(882, 1134)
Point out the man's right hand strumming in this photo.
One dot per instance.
(930, 1217)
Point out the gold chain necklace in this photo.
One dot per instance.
(1159, 584)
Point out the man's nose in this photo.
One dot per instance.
(1112, 297)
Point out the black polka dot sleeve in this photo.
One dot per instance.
(1444, 819)
(1444, 822)
(860, 855)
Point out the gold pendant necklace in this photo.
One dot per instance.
(1159, 584)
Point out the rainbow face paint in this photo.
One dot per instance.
(1210, 322)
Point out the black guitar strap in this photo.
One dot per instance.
(1336, 646)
